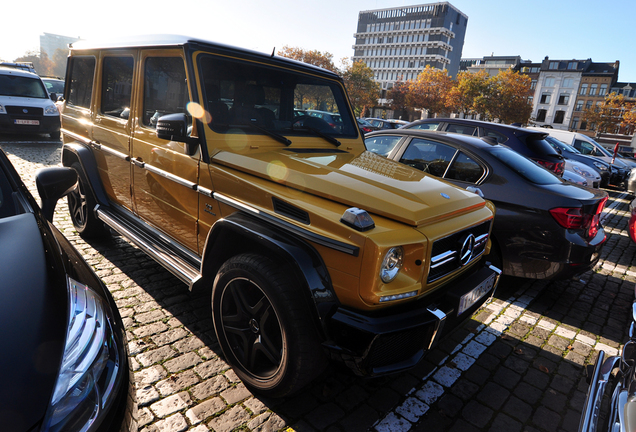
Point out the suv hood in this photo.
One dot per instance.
(364, 180)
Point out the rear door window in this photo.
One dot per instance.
(426, 126)
(165, 90)
(429, 156)
(501, 138)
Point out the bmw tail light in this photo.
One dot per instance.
(574, 218)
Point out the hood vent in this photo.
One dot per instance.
(290, 211)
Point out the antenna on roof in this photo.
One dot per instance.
(273, 51)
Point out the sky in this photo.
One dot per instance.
(560, 29)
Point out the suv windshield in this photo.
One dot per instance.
(12, 85)
(524, 167)
(243, 97)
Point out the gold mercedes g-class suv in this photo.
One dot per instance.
(207, 157)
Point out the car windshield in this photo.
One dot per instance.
(54, 86)
(245, 97)
(524, 167)
(12, 85)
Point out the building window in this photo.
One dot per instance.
(603, 90)
(593, 89)
(575, 123)
(554, 65)
(579, 105)
(568, 82)
(583, 124)
(549, 82)
(558, 117)
(583, 89)
(533, 84)
(545, 98)
(572, 65)
(564, 99)
(588, 104)
(541, 115)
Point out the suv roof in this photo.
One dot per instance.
(5, 70)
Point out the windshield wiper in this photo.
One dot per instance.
(329, 138)
(274, 135)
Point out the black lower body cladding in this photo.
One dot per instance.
(397, 338)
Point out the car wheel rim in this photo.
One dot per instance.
(251, 328)
(78, 206)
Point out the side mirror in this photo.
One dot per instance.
(174, 127)
(53, 184)
(54, 97)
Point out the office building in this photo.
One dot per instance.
(398, 43)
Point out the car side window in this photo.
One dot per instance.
(583, 147)
(81, 81)
(429, 156)
(117, 75)
(426, 126)
(496, 135)
(461, 129)
(165, 88)
(464, 168)
(382, 145)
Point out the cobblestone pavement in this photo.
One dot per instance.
(517, 365)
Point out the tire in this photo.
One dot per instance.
(264, 327)
(81, 204)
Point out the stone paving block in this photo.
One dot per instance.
(204, 410)
(518, 409)
(177, 383)
(168, 337)
(493, 395)
(229, 420)
(188, 344)
(156, 356)
(171, 404)
(506, 377)
(546, 419)
(145, 417)
(210, 368)
(412, 409)
(149, 330)
(324, 415)
(477, 414)
(146, 395)
(504, 423)
(182, 362)
(150, 375)
(393, 423)
(446, 376)
(210, 387)
(360, 420)
(235, 394)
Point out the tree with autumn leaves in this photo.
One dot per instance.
(614, 114)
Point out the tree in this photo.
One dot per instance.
(611, 114)
(314, 57)
(467, 95)
(398, 97)
(41, 63)
(59, 60)
(363, 90)
(430, 90)
(508, 93)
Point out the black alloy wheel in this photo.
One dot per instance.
(263, 326)
(80, 206)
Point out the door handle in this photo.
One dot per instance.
(138, 162)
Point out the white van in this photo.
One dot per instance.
(587, 146)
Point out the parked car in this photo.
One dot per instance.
(312, 247)
(609, 174)
(386, 123)
(64, 348)
(332, 119)
(545, 227)
(529, 143)
(573, 177)
(55, 86)
(25, 105)
(365, 126)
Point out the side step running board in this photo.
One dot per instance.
(169, 255)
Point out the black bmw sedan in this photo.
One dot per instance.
(64, 357)
(545, 227)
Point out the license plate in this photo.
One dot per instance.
(469, 299)
(27, 122)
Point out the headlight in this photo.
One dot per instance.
(391, 264)
(89, 366)
(580, 171)
(600, 166)
(51, 110)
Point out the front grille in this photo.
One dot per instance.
(388, 349)
(447, 252)
(19, 111)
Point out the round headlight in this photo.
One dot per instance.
(391, 264)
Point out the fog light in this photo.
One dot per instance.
(398, 296)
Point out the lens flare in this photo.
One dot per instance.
(277, 171)
(198, 112)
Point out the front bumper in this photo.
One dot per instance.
(46, 124)
(397, 338)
